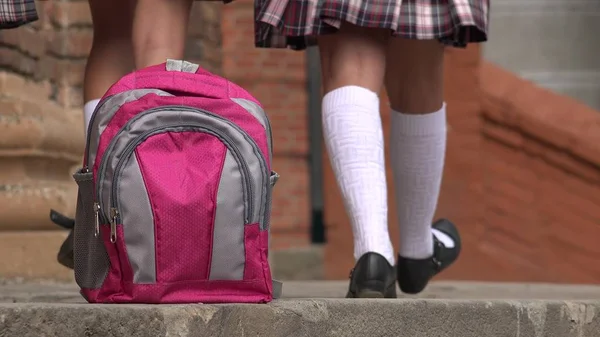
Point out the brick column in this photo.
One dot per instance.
(41, 126)
(41, 137)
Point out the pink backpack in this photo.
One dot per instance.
(175, 192)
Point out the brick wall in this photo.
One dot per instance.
(522, 180)
(41, 138)
(542, 182)
(277, 78)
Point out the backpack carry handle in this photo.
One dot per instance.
(181, 65)
(191, 80)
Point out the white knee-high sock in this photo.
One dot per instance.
(418, 146)
(88, 110)
(354, 139)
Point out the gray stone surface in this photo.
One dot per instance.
(446, 309)
(309, 317)
(550, 42)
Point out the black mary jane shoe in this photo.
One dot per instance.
(414, 274)
(372, 277)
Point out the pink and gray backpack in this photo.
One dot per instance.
(175, 192)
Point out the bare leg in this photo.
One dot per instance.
(354, 56)
(111, 54)
(353, 62)
(110, 57)
(414, 75)
(159, 30)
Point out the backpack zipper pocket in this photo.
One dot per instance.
(113, 214)
(128, 152)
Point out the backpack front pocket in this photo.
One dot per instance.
(183, 191)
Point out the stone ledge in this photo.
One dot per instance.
(462, 309)
(309, 317)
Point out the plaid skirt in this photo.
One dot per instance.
(295, 23)
(15, 13)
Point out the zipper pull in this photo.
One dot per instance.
(96, 219)
(114, 214)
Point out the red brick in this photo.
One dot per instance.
(74, 43)
(513, 248)
(501, 264)
(571, 258)
(566, 161)
(558, 201)
(510, 171)
(289, 240)
(26, 40)
(524, 194)
(69, 96)
(14, 60)
(66, 72)
(291, 209)
(503, 134)
(72, 13)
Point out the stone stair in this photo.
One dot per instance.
(315, 308)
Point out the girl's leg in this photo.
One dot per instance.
(353, 63)
(159, 30)
(414, 81)
(111, 54)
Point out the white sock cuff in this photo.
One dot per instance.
(420, 125)
(350, 95)
(88, 111)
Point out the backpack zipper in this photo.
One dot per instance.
(114, 214)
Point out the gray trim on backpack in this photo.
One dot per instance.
(139, 237)
(109, 107)
(258, 112)
(171, 117)
(228, 255)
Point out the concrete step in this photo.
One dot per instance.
(446, 309)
